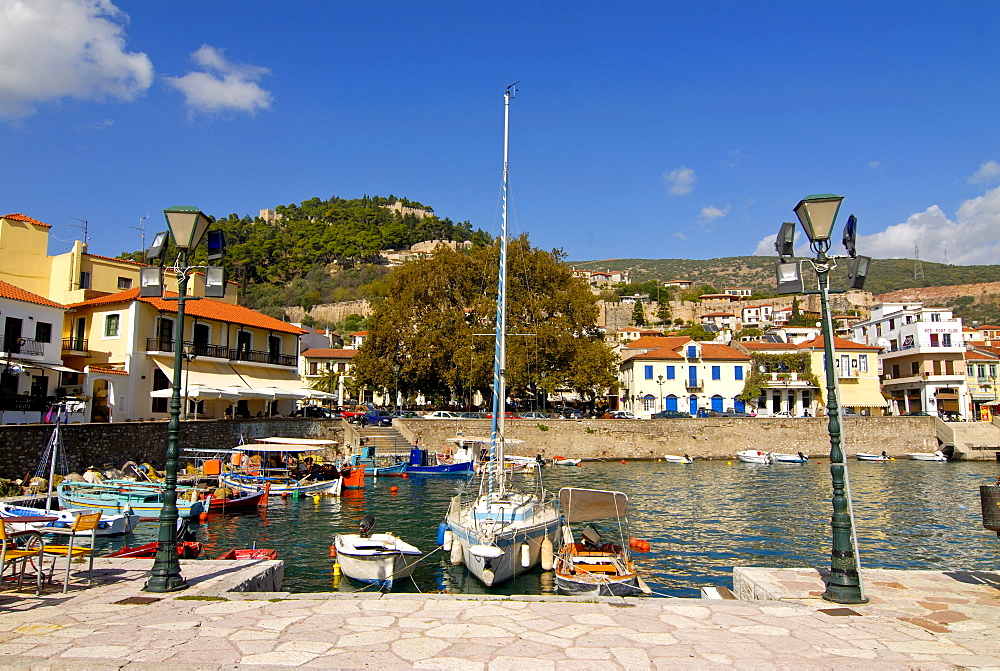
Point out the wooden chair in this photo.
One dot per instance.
(81, 525)
(20, 547)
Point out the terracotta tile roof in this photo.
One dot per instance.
(981, 356)
(329, 353)
(709, 352)
(657, 342)
(360, 333)
(718, 314)
(111, 258)
(17, 216)
(995, 350)
(715, 352)
(838, 344)
(988, 326)
(8, 290)
(204, 308)
(107, 371)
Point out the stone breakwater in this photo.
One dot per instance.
(710, 438)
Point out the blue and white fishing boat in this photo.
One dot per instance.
(506, 527)
(121, 498)
(263, 465)
(456, 462)
(375, 559)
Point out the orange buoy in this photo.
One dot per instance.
(579, 463)
(638, 544)
(623, 461)
(404, 476)
(333, 550)
(394, 489)
(284, 495)
(203, 516)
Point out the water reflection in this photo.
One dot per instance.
(701, 520)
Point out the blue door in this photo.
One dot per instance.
(739, 406)
(670, 403)
(717, 403)
(694, 405)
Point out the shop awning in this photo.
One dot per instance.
(203, 374)
(862, 398)
(233, 382)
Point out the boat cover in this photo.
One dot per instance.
(585, 505)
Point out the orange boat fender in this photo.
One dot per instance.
(394, 489)
(638, 544)
(333, 551)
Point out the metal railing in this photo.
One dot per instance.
(222, 352)
(693, 384)
(22, 345)
(75, 345)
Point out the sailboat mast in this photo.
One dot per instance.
(497, 438)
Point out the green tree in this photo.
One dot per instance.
(663, 313)
(433, 317)
(327, 381)
(638, 314)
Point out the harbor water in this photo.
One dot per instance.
(700, 519)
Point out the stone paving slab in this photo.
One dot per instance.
(199, 629)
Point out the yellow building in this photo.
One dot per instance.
(72, 277)
(857, 373)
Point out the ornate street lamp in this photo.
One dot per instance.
(187, 227)
(659, 380)
(395, 376)
(817, 214)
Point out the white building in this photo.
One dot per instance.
(922, 359)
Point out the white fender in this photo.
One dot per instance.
(525, 555)
(548, 557)
(567, 535)
(456, 553)
(449, 538)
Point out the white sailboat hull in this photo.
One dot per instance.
(471, 535)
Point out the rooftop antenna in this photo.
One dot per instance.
(142, 229)
(918, 268)
(86, 238)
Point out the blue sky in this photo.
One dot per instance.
(641, 129)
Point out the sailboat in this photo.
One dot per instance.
(502, 529)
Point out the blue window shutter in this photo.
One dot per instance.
(739, 372)
(670, 372)
(716, 372)
(648, 372)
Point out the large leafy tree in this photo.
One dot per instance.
(438, 317)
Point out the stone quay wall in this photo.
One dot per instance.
(710, 438)
(21, 447)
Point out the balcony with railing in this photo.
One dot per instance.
(21, 346)
(223, 352)
(75, 345)
(694, 384)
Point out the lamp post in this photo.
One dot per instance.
(817, 215)
(659, 381)
(187, 226)
(395, 376)
(545, 391)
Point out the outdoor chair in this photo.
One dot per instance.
(24, 547)
(81, 525)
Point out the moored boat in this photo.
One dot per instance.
(505, 527)
(249, 554)
(927, 456)
(267, 464)
(119, 498)
(185, 550)
(754, 457)
(239, 500)
(375, 559)
(109, 525)
(676, 459)
(865, 456)
(592, 566)
(563, 461)
(781, 458)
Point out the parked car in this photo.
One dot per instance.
(537, 414)
(670, 414)
(917, 413)
(406, 414)
(621, 414)
(378, 418)
(441, 414)
(315, 411)
(474, 415)
(568, 412)
(506, 415)
(723, 413)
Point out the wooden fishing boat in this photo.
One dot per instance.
(375, 559)
(593, 567)
(109, 525)
(249, 553)
(117, 498)
(185, 550)
(457, 462)
(241, 500)
(264, 464)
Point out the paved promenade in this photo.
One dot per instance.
(916, 620)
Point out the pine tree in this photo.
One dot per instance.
(638, 314)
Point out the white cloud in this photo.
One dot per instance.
(874, 165)
(680, 236)
(712, 213)
(973, 238)
(52, 49)
(679, 182)
(226, 86)
(988, 172)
